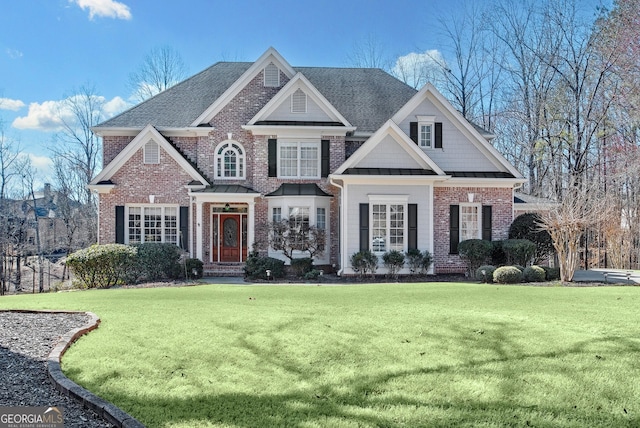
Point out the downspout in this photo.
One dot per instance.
(340, 223)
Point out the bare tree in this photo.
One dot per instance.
(79, 151)
(369, 52)
(28, 173)
(162, 68)
(290, 237)
(8, 171)
(416, 69)
(567, 222)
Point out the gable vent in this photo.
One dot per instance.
(299, 102)
(151, 152)
(271, 76)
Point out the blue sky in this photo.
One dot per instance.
(48, 48)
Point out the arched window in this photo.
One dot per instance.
(229, 160)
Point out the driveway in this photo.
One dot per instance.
(611, 276)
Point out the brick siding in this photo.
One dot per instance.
(500, 200)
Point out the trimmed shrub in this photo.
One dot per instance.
(519, 251)
(487, 276)
(364, 262)
(393, 261)
(527, 226)
(101, 266)
(551, 273)
(534, 274)
(256, 266)
(475, 252)
(155, 260)
(417, 261)
(194, 268)
(498, 257)
(300, 267)
(313, 274)
(520, 268)
(507, 275)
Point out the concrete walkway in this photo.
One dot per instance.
(611, 276)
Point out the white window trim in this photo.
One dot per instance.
(299, 144)
(239, 156)
(142, 207)
(390, 200)
(479, 225)
(154, 161)
(426, 121)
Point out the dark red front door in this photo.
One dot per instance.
(229, 238)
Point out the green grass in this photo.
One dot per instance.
(389, 355)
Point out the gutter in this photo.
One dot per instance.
(335, 183)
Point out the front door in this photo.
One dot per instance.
(230, 238)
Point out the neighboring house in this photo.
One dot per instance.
(208, 163)
(50, 209)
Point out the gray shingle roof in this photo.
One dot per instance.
(366, 97)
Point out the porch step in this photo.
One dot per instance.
(224, 269)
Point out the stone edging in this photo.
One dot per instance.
(103, 408)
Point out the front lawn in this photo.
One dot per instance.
(390, 355)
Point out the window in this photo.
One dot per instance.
(229, 160)
(271, 76)
(299, 213)
(151, 152)
(426, 131)
(299, 223)
(299, 160)
(470, 226)
(298, 102)
(276, 215)
(153, 224)
(387, 227)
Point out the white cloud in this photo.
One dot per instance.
(416, 69)
(104, 8)
(50, 116)
(115, 106)
(14, 53)
(45, 117)
(9, 104)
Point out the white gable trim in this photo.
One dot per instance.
(149, 132)
(391, 129)
(428, 91)
(271, 55)
(299, 81)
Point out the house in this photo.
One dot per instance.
(58, 220)
(208, 163)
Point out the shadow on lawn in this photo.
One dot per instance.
(366, 400)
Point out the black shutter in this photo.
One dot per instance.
(454, 228)
(364, 227)
(184, 228)
(413, 131)
(119, 224)
(325, 158)
(412, 243)
(486, 222)
(438, 135)
(273, 157)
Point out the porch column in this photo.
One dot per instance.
(251, 218)
(199, 230)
